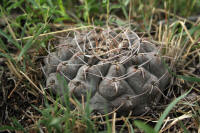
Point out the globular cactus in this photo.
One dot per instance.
(118, 69)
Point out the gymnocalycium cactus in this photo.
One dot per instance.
(119, 69)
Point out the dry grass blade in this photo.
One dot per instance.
(174, 15)
(9, 27)
(113, 123)
(41, 91)
(190, 37)
(38, 89)
(13, 69)
(174, 121)
(56, 32)
(14, 89)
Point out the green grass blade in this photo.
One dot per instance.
(9, 38)
(124, 11)
(66, 91)
(3, 46)
(30, 42)
(62, 8)
(167, 110)
(10, 128)
(123, 126)
(89, 123)
(18, 125)
(6, 56)
(131, 127)
(189, 78)
(146, 128)
(183, 127)
(108, 125)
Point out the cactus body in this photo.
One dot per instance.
(116, 67)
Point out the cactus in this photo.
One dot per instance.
(120, 70)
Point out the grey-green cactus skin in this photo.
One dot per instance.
(119, 70)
